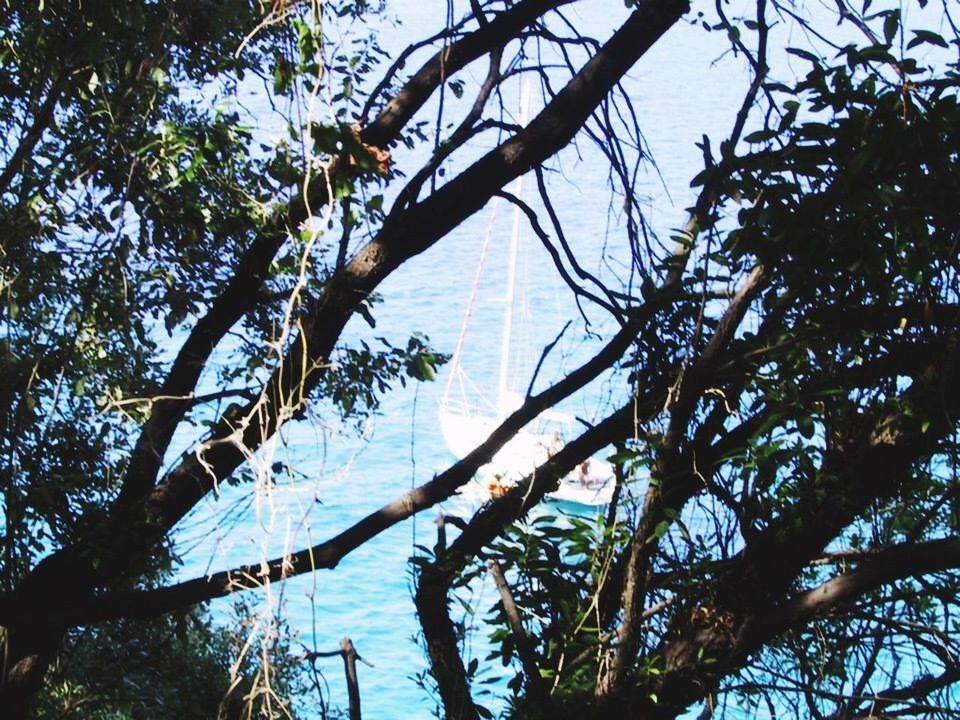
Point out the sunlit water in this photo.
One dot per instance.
(341, 477)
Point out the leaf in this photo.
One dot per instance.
(326, 138)
(926, 36)
(805, 54)
(877, 53)
(282, 75)
(891, 25)
(760, 136)
(659, 531)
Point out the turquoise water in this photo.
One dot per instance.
(344, 474)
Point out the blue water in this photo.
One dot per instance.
(344, 474)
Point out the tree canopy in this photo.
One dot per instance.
(177, 273)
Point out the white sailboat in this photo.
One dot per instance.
(468, 414)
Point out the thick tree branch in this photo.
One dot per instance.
(405, 234)
(870, 466)
(328, 554)
(440, 636)
(539, 692)
(733, 643)
(241, 296)
(910, 695)
(175, 395)
(749, 594)
(42, 117)
(882, 568)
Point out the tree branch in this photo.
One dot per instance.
(880, 453)
(327, 555)
(240, 296)
(495, 33)
(675, 486)
(744, 613)
(882, 568)
(405, 234)
(535, 686)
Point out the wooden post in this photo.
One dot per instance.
(349, 654)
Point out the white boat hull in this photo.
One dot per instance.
(591, 484)
(572, 490)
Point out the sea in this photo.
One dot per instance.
(687, 87)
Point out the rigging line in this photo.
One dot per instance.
(474, 290)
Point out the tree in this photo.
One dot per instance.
(173, 667)
(788, 366)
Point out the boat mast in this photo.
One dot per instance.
(504, 406)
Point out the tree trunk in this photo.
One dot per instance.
(26, 653)
(442, 645)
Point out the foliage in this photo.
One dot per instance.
(177, 666)
(177, 275)
(110, 180)
(131, 187)
(843, 203)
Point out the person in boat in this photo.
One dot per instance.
(583, 473)
(587, 479)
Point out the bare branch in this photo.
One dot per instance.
(448, 61)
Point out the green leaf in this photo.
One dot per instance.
(805, 54)
(659, 531)
(891, 25)
(926, 36)
(282, 75)
(760, 136)
(159, 76)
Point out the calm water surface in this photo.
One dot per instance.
(679, 97)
